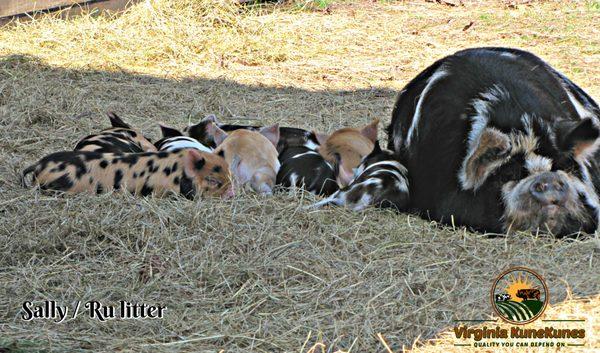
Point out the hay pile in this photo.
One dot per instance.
(253, 274)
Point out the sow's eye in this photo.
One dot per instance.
(567, 164)
(514, 169)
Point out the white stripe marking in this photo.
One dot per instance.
(439, 74)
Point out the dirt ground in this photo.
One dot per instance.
(254, 273)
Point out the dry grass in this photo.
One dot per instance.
(255, 274)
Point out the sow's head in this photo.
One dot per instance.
(545, 173)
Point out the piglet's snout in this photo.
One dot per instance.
(265, 189)
(263, 182)
(230, 193)
(549, 189)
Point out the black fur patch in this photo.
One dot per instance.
(62, 183)
(80, 170)
(103, 164)
(146, 190)
(92, 156)
(187, 188)
(130, 159)
(199, 164)
(118, 178)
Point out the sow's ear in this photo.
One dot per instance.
(193, 162)
(271, 133)
(485, 154)
(218, 135)
(169, 131)
(579, 138)
(116, 121)
(370, 131)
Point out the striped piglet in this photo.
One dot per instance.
(174, 140)
(380, 180)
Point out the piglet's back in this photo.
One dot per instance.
(250, 147)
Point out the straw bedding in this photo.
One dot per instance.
(253, 273)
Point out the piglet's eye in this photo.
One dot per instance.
(213, 182)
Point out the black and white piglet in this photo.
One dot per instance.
(303, 167)
(173, 139)
(380, 180)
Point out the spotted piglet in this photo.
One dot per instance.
(251, 155)
(187, 172)
(380, 181)
(120, 138)
(303, 167)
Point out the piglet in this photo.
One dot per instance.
(351, 145)
(288, 136)
(120, 138)
(380, 181)
(187, 172)
(251, 155)
(303, 167)
(174, 140)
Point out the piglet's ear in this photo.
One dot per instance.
(169, 131)
(271, 133)
(218, 135)
(321, 138)
(116, 121)
(210, 118)
(486, 153)
(343, 176)
(193, 162)
(377, 148)
(580, 139)
(241, 173)
(370, 131)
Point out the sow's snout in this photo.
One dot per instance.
(549, 201)
(549, 189)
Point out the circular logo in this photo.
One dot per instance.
(519, 295)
